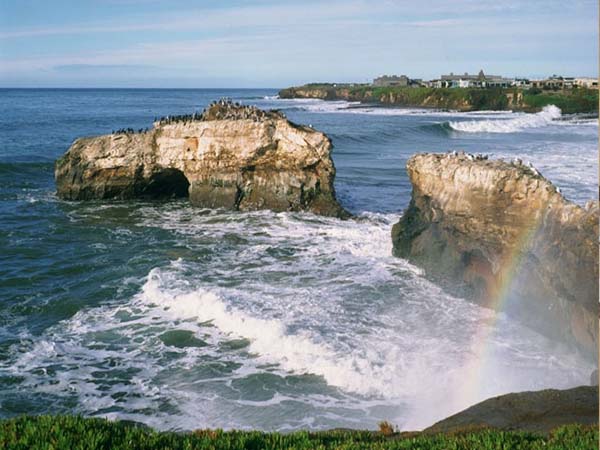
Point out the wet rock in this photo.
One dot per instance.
(501, 234)
(537, 411)
(230, 156)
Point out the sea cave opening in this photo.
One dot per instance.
(165, 184)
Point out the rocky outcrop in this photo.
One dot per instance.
(537, 411)
(502, 234)
(230, 156)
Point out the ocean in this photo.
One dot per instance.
(184, 318)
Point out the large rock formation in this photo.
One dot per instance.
(536, 411)
(502, 234)
(230, 156)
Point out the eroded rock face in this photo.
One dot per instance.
(231, 156)
(535, 411)
(503, 235)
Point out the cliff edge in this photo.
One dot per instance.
(500, 233)
(230, 156)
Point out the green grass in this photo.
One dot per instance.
(74, 433)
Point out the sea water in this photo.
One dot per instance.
(185, 318)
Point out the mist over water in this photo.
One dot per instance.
(186, 318)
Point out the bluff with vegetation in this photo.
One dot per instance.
(230, 156)
(502, 234)
(579, 100)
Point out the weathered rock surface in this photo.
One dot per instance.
(537, 411)
(230, 156)
(503, 235)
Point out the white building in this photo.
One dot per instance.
(590, 83)
(480, 80)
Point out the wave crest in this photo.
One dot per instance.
(525, 121)
(270, 340)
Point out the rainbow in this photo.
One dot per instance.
(496, 295)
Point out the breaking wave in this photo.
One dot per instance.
(270, 340)
(523, 121)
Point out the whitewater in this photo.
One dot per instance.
(184, 318)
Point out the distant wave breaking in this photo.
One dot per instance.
(520, 123)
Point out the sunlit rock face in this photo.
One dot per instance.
(500, 233)
(230, 156)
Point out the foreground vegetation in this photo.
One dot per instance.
(69, 432)
(570, 101)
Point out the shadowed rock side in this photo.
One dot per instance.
(502, 234)
(230, 156)
(538, 411)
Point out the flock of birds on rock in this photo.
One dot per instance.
(226, 109)
(182, 118)
(480, 157)
(129, 131)
(519, 162)
(469, 156)
(223, 109)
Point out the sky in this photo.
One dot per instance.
(261, 43)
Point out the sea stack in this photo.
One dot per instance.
(230, 156)
(501, 234)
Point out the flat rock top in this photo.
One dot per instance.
(449, 163)
(458, 176)
(537, 411)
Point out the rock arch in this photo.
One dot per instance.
(164, 184)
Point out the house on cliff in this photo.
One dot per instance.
(555, 82)
(590, 83)
(397, 80)
(391, 80)
(480, 80)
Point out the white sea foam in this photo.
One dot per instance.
(362, 334)
(270, 340)
(354, 107)
(521, 122)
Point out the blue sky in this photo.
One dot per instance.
(152, 43)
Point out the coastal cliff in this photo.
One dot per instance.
(230, 156)
(459, 99)
(500, 233)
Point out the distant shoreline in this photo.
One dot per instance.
(574, 101)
